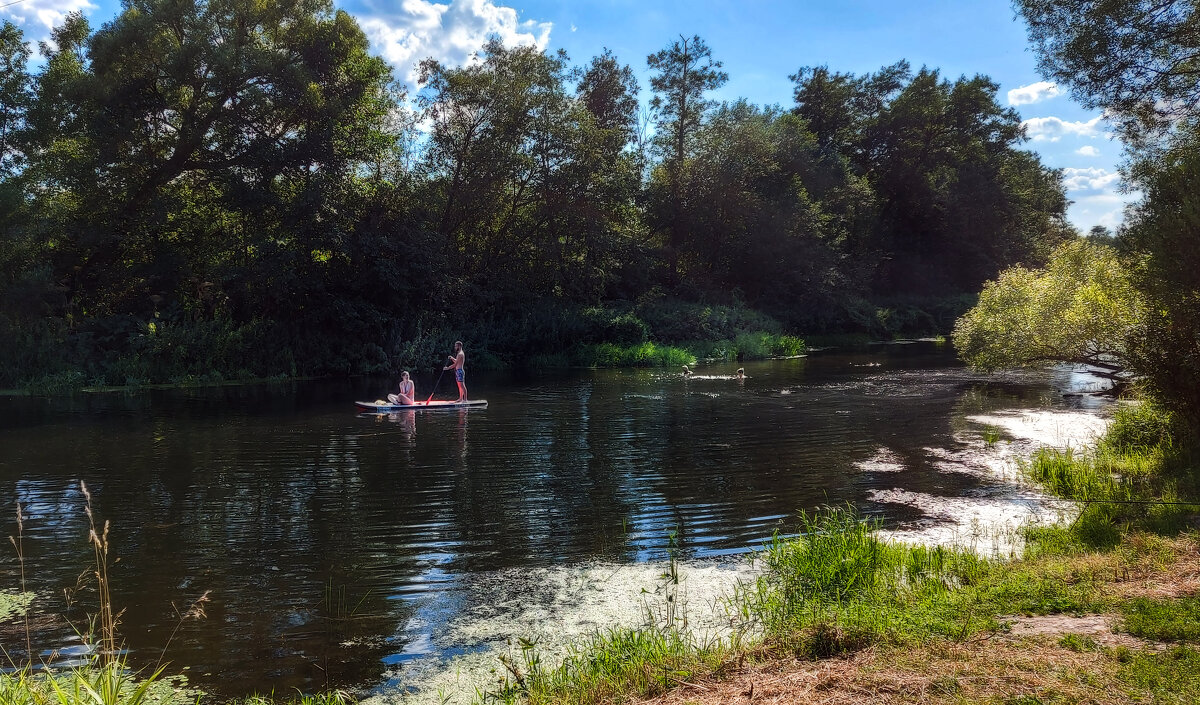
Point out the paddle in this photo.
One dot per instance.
(435, 384)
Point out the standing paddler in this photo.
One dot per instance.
(457, 363)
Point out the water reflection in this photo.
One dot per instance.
(339, 545)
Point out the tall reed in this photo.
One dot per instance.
(19, 545)
(106, 620)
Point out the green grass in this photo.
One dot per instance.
(749, 346)
(112, 684)
(116, 684)
(1162, 619)
(646, 354)
(1171, 677)
(1139, 476)
(608, 666)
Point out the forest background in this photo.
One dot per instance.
(199, 191)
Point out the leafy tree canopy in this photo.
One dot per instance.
(1137, 59)
(1082, 309)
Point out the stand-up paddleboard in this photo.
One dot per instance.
(387, 406)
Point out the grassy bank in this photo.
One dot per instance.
(901, 623)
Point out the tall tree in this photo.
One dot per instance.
(1140, 61)
(609, 92)
(15, 97)
(839, 107)
(1137, 59)
(175, 99)
(685, 72)
(1164, 228)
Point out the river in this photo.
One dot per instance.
(347, 550)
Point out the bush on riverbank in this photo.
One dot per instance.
(1143, 474)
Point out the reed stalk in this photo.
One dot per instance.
(19, 545)
(107, 620)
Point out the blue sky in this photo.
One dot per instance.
(760, 43)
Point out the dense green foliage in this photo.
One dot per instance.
(174, 208)
(1134, 58)
(1142, 474)
(1137, 60)
(1082, 308)
(1165, 229)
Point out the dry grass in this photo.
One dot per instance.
(1030, 662)
(993, 671)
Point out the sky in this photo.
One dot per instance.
(760, 43)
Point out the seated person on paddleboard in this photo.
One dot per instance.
(457, 362)
(407, 391)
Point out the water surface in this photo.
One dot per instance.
(340, 548)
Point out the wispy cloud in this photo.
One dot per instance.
(1089, 178)
(37, 17)
(1105, 208)
(1052, 129)
(451, 33)
(1088, 150)
(1033, 93)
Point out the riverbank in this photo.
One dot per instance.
(129, 352)
(1103, 609)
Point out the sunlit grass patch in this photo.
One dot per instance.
(111, 684)
(646, 354)
(610, 665)
(1138, 476)
(1169, 677)
(1162, 619)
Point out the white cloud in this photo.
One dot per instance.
(1112, 219)
(452, 33)
(1089, 179)
(1052, 129)
(1105, 208)
(37, 17)
(1033, 93)
(1088, 150)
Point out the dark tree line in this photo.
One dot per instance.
(205, 186)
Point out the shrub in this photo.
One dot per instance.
(1140, 426)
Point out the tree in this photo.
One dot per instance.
(15, 97)
(685, 72)
(957, 200)
(500, 129)
(609, 92)
(1082, 308)
(1137, 59)
(1165, 228)
(840, 107)
(1140, 61)
(176, 113)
